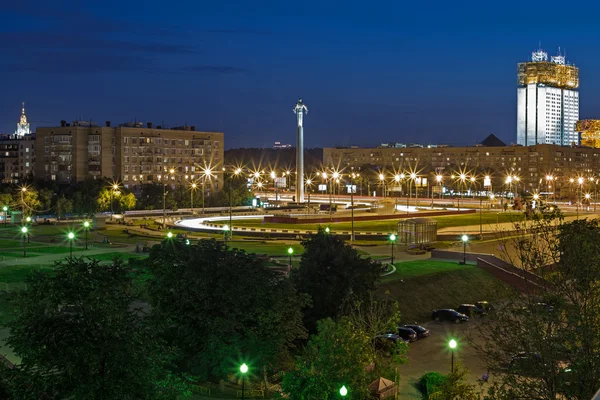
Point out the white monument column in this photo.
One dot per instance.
(300, 110)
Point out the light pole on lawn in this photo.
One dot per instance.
(244, 371)
(452, 344)
(352, 177)
(24, 231)
(464, 239)
(86, 226)
(290, 252)
(164, 221)
(392, 241)
(71, 237)
(5, 209)
(193, 188)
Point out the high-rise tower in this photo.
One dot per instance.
(22, 125)
(547, 101)
(300, 110)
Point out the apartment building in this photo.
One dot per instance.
(536, 166)
(131, 153)
(17, 158)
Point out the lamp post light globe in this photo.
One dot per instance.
(452, 344)
(70, 236)
(243, 368)
(438, 178)
(381, 177)
(24, 230)
(327, 230)
(28, 219)
(392, 242)
(536, 196)
(343, 391)
(169, 235)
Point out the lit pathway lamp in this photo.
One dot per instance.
(24, 231)
(193, 188)
(71, 237)
(226, 232)
(86, 227)
(587, 200)
(464, 239)
(169, 235)
(392, 241)
(327, 230)
(244, 371)
(5, 209)
(452, 344)
(343, 391)
(290, 252)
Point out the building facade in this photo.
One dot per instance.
(534, 165)
(547, 101)
(132, 154)
(22, 125)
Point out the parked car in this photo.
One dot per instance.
(449, 314)
(470, 310)
(407, 333)
(388, 342)
(484, 305)
(419, 330)
(526, 364)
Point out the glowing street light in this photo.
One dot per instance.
(464, 239)
(71, 237)
(170, 235)
(244, 371)
(452, 345)
(343, 391)
(193, 188)
(86, 227)
(327, 230)
(392, 241)
(290, 252)
(382, 180)
(5, 209)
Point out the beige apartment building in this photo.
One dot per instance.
(538, 167)
(131, 154)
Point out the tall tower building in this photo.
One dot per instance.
(547, 101)
(300, 109)
(22, 125)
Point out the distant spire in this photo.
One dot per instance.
(23, 125)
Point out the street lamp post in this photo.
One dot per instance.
(392, 241)
(71, 236)
(243, 370)
(465, 239)
(352, 177)
(86, 226)
(193, 188)
(580, 196)
(452, 344)
(308, 189)
(290, 252)
(5, 209)
(462, 178)
(480, 218)
(382, 180)
(164, 224)
(25, 235)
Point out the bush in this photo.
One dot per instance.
(430, 383)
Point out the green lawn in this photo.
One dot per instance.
(123, 255)
(269, 248)
(18, 273)
(390, 225)
(445, 286)
(411, 269)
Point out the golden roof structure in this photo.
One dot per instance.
(548, 73)
(590, 132)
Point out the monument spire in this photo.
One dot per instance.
(300, 110)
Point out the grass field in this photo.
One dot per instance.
(487, 218)
(411, 269)
(423, 286)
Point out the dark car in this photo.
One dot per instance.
(388, 342)
(470, 310)
(449, 314)
(407, 334)
(485, 306)
(526, 364)
(419, 330)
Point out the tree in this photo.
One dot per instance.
(79, 336)
(334, 276)
(223, 306)
(127, 202)
(63, 206)
(337, 355)
(454, 386)
(543, 343)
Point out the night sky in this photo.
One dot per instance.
(369, 72)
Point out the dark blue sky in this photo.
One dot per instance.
(369, 72)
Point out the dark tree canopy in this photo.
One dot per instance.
(334, 275)
(224, 307)
(79, 336)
